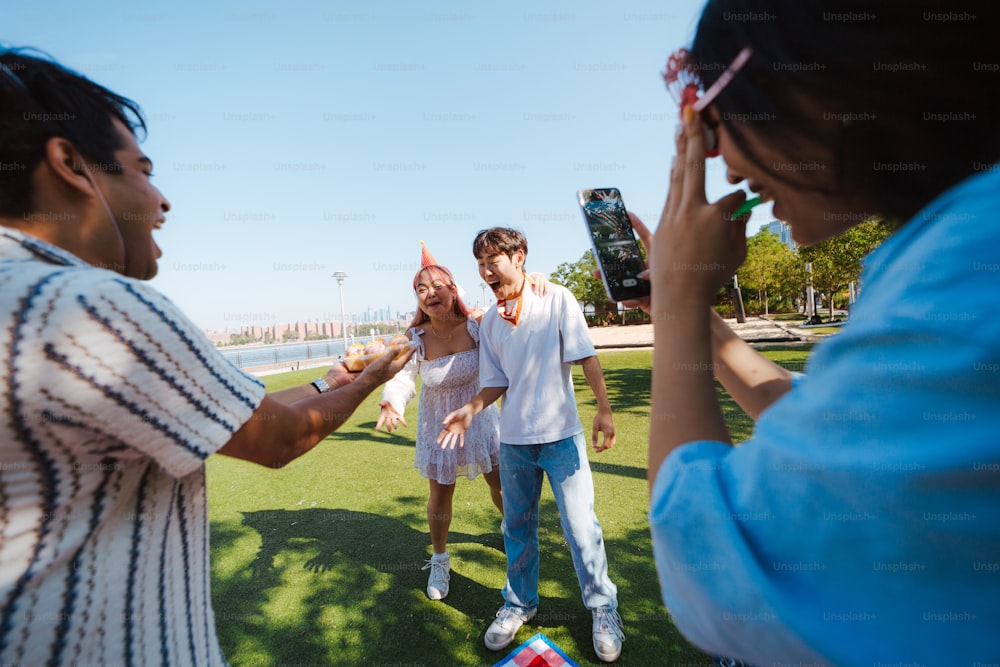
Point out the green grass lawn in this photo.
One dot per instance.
(823, 331)
(319, 563)
(787, 317)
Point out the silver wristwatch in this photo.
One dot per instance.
(322, 386)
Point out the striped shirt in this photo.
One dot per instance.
(110, 402)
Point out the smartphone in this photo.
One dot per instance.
(615, 244)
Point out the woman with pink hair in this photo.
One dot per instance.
(447, 360)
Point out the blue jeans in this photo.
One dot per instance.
(565, 462)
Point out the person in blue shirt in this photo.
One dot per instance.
(860, 523)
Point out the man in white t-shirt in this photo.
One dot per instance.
(527, 346)
(111, 399)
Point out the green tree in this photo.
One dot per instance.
(836, 262)
(771, 269)
(240, 339)
(578, 278)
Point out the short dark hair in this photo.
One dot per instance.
(41, 99)
(497, 241)
(866, 85)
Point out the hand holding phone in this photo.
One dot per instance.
(615, 246)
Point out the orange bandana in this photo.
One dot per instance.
(514, 314)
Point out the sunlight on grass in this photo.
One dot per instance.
(319, 562)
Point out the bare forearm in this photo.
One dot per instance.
(486, 397)
(278, 433)
(594, 375)
(684, 405)
(603, 421)
(336, 376)
(289, 396)
(752, 380)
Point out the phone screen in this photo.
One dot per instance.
(615, 245)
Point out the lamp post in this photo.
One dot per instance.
(741, 315)
(484, 286)
(340, 276)
(810, 294)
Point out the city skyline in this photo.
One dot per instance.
(274, 333)
(371, 315)
(296, 142)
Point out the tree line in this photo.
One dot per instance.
(773, 278)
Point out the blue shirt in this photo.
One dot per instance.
(861, 521)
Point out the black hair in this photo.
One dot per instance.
(499, 240)
(41, 99)
(891, 102)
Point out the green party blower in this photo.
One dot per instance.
(745, 207)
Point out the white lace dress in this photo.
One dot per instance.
(447, 383)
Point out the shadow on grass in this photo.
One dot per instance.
(616, 469)
(650, 636)
(365, 432)
(339, 587)
(629, 386)
(739, 423)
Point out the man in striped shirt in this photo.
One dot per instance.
(110, 398)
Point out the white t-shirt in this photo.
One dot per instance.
(110, 402)
(533, 360)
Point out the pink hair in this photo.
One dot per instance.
(443, 274)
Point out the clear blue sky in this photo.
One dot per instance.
(295, 139)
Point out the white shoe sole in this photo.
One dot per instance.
(497, 647)
(502, 645)
(608, 657)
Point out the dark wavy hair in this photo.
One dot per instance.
(41, 99)
(497, 241)
(896, 100)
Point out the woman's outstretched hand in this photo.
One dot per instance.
(454, 426)
(389, 417)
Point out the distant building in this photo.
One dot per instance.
(217, 337)
(301, 330)
(781, 230)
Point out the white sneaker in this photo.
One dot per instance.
(501, 631)
(608, 634)
(437, 582)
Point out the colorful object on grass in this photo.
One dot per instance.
(538, 651)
